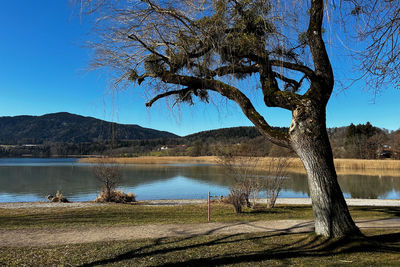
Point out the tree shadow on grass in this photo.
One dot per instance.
(142, 251)
(391, 212)
(312, 246)
(301, 245)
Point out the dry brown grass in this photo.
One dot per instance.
(353, 166)
(116, 197)
(154, 160)
(343, 166)
(363, 164)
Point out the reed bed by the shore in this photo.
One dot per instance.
(154, 160)
(361, 164)
(347, 166)
(343, 166)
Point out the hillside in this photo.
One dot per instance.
(243, 132)
(65, 134)
(225, 133)
(64, 127)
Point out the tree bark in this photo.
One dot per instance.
(310, 141)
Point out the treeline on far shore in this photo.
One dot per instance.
(362, 141)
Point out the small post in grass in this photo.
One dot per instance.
(208, 205)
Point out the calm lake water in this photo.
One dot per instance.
(33, 179)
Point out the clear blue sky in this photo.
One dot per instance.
(43, 70)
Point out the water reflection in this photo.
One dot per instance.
(362, 186)
(32, 181)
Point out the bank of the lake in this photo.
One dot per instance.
(353, 202)
(385, 167)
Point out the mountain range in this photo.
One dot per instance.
(65, 127)
(65, 134)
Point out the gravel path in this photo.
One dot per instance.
(287, 201)
(25, 205)
(51, 237)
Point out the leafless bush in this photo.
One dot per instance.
(116, 196)
(237, 198)
(243, 170)
(275, 177)
(109, 174)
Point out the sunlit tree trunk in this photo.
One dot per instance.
(309, 139)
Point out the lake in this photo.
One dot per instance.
(32, 179)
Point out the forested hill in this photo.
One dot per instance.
(239, 133)
(64, 127)
(65, 134)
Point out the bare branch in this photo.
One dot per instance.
(293, 66)
(322, 85)
(296, 85)
(231, 93)
(151, 50)
(235, 69)
(377, 26)
(166, 94)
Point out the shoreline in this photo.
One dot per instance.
(178, 202)
(343, 166)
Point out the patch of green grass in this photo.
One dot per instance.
(123, 215)
(375, 212)
(379, 248)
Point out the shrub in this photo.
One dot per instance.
(115, 196)
(58, 198)
(243, 170)
(250, 179)
(237, 198)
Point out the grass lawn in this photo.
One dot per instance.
(124, 215)
(379, 248)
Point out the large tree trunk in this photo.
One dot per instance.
(309, 139)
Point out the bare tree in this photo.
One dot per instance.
(376, 24)
(200, 48)
(395, 144)
(109, 174)
(251, 177)
(243, 169)
(277, 173)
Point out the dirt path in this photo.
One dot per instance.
(50, 237)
